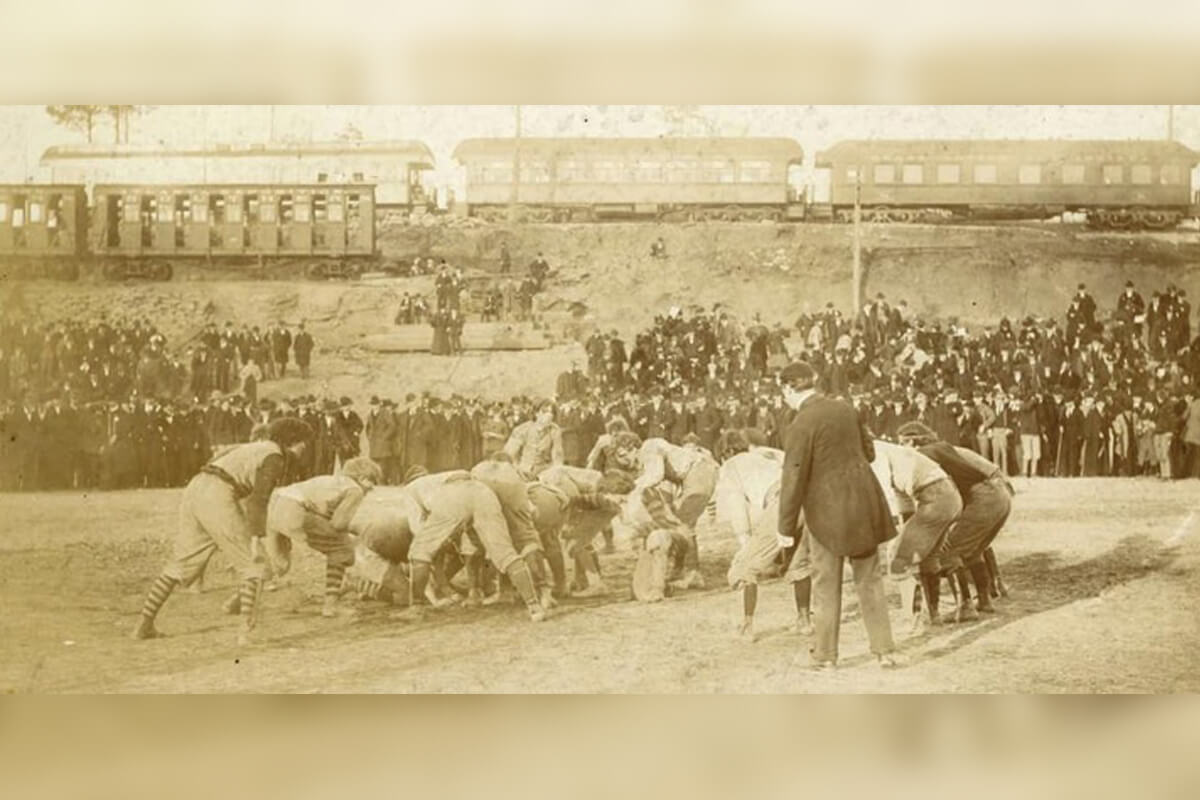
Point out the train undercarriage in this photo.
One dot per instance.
(1133, 218)
(658, 212)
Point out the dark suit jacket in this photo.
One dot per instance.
(827, 476)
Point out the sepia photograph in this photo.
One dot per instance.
(632, 399)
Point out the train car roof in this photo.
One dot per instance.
(255, 187)
(663, 147)
(1120, 149)
(5, 187)
(416, 152)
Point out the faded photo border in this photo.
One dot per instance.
(614, 52)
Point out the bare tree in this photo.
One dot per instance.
(120, 116)
(78, 118)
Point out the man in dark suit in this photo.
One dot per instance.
(827, 476)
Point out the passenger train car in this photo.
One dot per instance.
(396, 169)
(669, 179)
(1117, 184)
(49, 230)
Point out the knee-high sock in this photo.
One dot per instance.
(334, 571)
(251, 590)
(522, 580)
(417, 583)
(535, 562)
(749, 599)
(964, 586)
(983, 592)
(989, 558)
(802, 591)
(931, 586)
(558, 566)
(158, 594)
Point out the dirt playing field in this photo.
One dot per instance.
(1105, 580)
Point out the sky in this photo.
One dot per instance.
(26, 131)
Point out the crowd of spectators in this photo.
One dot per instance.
(1103, 394)
(107, 404)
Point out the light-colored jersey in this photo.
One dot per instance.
(574, 482)
(242, 462)
(746, 485)
(534, 447)
(902, 472)
(662, 460)
(327, 496)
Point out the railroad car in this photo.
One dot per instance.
(396, 168)
(669, 179)
(1117, 184)
(43, 229)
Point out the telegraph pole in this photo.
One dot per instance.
(857, 275)
(516, 180)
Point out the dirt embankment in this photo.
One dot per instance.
(604, 277)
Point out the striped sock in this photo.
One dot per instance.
(159, 592)
(333, 579)
(250, 590)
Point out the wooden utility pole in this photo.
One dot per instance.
(856, 304)
(516, 178)
(1170, 123)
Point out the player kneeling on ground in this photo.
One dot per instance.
(577, 504)
(912, 481)
(670, 494)
(211, 518)
(747, 500)
(319, 511)
(987, 501)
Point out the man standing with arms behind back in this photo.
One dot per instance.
(827, 477)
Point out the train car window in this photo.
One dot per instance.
(353, 207)
(497, 172)
(253, 209)
(337, 209)
(985, 173)
(755, 171)
(287, 208)
(1029, 173)
(720, 172)
(269, 209)
(216, 208)
(948, 173)
(536, 172)
(164, 211)
(18, 211)
(53, 210)
(358, 177)
(885, 173)
(3, 211)
(1073, 173)
(320, 208)
(607, 171)
(322, 177)
(1113, 173)
(1170, 174)
(648, 172)
(913, 173)
(1140, 174)
(35, 212)
(233, 209)
(302, 209)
